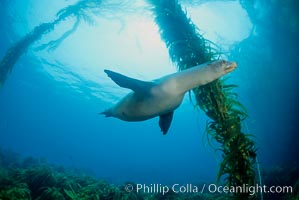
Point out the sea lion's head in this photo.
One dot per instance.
(223, 67)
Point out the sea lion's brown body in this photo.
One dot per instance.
(162, 96)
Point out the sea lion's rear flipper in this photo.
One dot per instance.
(107, 113)
(130, 83)
(165, 121)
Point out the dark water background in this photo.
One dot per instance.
(49, 110)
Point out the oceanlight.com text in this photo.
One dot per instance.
(208, 188)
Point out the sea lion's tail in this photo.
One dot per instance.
(107, 113)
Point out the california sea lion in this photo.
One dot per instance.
(162, 96)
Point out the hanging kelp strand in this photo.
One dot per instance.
(53, 44)
(82, 10)
(13, 53)
(187, 48)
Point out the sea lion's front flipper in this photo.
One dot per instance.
(130, 83)
(165, 121)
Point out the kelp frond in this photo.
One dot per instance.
(82, 10)
(14, 52)
(52, 45)
(188, 48)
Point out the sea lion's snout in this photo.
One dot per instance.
(230, 66)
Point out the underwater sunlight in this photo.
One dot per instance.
(236, 124)
(131, 38)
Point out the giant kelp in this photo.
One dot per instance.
(187, 48)
(82, 10)
(35, 179)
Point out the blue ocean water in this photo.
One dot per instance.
(50, 101)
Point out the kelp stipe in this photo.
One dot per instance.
(187, 48)
(18, 49)
(83, 10)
